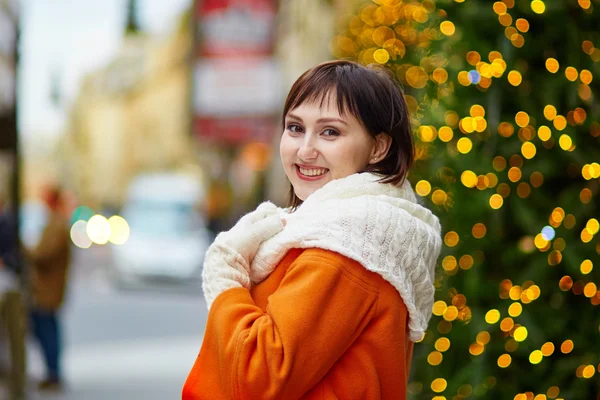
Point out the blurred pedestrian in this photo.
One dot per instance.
(325, 299)
(49, 273)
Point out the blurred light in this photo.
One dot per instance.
(565, 142)
(521, 334)
(492, 316)
(451, 313)
(451, 239)
(548, 233)
(590, 290)
(515, 310)
(439, 307)
(435, 358)
(499, 163)
(552, 65)
(423, 188)
(536, 357)
(98, 229)
(426, 133)
(496, 201)
(522, 25)
(468, 178)
(586, 267)
(479, 230)
(586, 76)
(483, 338)
(440, 75)
(514, 174)
(477, 111)
(447, 28)
(528, 150)
(544, 133)
(466, 262)
(79, 235)
(473, 58)
(381, 56)
(550, 112)
(567, 346)
(445, 133)
(442, 344)
(474, 77)
(504, 360)
(566, 283)
(515, 78)
(81, 213)
(522, 119)
(439, 197)
(476, 349)
(588, 371)
(548, 349)
(538, 6)
(464, 145)
(449, 264)
(571, 74)
(119, 230)
(439, 385)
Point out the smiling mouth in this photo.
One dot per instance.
(311, 173)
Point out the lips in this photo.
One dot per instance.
(310, 173)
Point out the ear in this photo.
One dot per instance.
(382, 145)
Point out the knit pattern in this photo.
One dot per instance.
(381, 226)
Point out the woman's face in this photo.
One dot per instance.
(319, 145)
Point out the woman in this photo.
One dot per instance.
(325, 299)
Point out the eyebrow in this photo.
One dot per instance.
(320, 120)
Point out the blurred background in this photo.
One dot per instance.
(158, 124)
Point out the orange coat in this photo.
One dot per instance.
(319, 327)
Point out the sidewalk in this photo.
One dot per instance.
(152, 369)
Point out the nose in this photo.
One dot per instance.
(307, 150)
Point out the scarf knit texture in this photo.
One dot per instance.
(379, 225)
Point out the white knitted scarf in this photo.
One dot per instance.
(381, 226)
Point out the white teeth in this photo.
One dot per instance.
(313, 172)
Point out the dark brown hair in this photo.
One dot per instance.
(374, 97)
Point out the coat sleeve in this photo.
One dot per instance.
(316, 313)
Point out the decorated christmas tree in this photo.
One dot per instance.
(505, 105)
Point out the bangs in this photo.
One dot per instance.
(318, 89)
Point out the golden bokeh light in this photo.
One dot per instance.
(521, 334)
(536, 357)
(496, 201)
(571, 74)
(515, 309)
(451, 239)
(522, 24)
(514, 174)
(544, 133)
(515, 78)
(439, 307)
(547, 349)
(504, 360)
(522, 119)
(499, 163)
(566, 283)
(464, 145)
(439, 385)
(586, 76)
(466, 262)
(507, 324)
(439, 197)
(476, 349)
(435, 358)
(528, 150)
(565, 142)
(479, 230)
(559, 122)
(445, 134)
(538, 6)
(552, 65)
(492, 316)
(423, 188)
(550, 112)
(451, 313)
(442, 344)
(567, 346)
(447, 28)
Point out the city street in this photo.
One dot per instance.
(124, 344)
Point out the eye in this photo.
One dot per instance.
(331, 132)
(294, 128)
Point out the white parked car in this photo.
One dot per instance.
(168, 236)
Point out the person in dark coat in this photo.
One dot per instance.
(49, 274)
